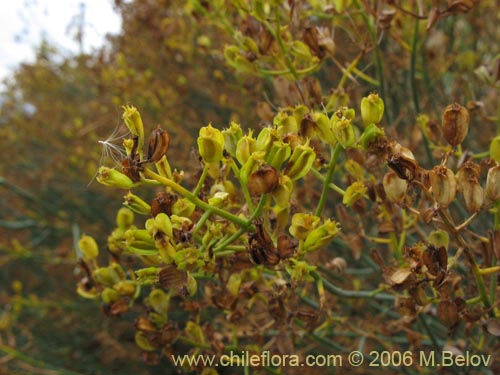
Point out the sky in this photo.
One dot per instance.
(26, 22)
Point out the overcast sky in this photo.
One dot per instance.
(24, 23)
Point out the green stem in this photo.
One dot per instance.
(33, 362)
(375, 294)
(244, 228)
(413, 82)
(331, 185)
(413, 61)
(201, 181)
(277, 35)
(197, 201)
(328, 179)
(429, 331)
(378, 58)
(202, 221)
(481, 287)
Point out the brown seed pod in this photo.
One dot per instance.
(261, 247)
(394, 187)
(443, 184)
(435, 259)
(145, 325)
(447, 313)
(169, 277)
(158, 143)
(132, 168)
(493, 184)
(286, 246)
(455, 124)
(163, 203)
(264, 180)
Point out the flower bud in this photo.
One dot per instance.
(125, 288)
(245, 148)
(264, 140)
(158, 143)
(302, 225)
(147, 276)
(455, 124)
(493, 184)
(264, 180)
(159, 301)
(124, 218)
(143, 342)
(300, 271)
(231, 137)
(354, 192)
(250, 166)
(394, 187)
(136, 204)
(283, 191)
(88, 247)
(106, 276)
(342, 129)
(218, 198)
(161, 223)
(278, 154)
(372, 109)
(439, 238)
(191, 285)
(443, 184)
(114, 178)
(189, 259)
(233, 284)
(133, 121)
(109, 296)
(183, 207)
(495, 149)
(285, 124)
(210, 144)
(300, 162)
(163, 168)
(322, 235)
(371, 135)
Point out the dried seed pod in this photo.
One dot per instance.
(119, 307)
(461, 6)
(145, 325)
(473, 196)
(447, 313)
(493, 184)
(455, 123)
(394, 187)
(418, 294)
(443, 184)
(337, 264)
(435, 259)
(169, 277)
(286, 246)
(158, 143)
(264, 180)
(163, 203)
(261, 248)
